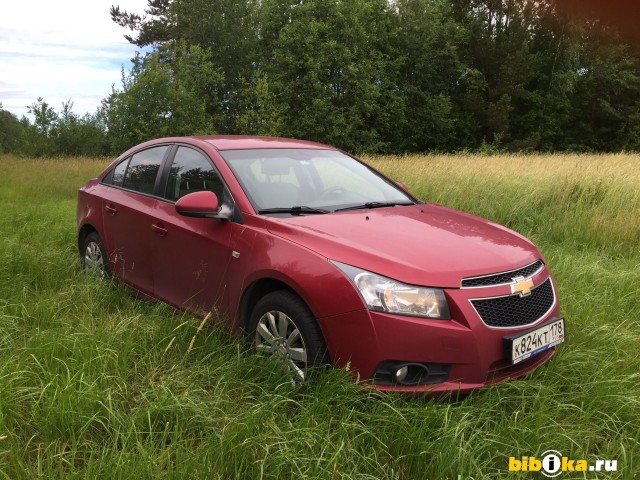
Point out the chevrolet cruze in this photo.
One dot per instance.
(320, 259)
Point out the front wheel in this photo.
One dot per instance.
(94, 255)
(281, 324)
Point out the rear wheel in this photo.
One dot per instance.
(281, 324)
(94, 255)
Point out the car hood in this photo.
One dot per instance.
(423, 244)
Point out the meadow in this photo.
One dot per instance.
(97, 384)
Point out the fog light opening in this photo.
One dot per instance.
(401, 374)
(411, 374)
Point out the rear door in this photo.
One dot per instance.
(190, 256)
(127, 217)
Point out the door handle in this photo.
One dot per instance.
(159, 229)
(111, 210)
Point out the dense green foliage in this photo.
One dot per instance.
(52, 133)
(95, 384)
(365, 75)
(167, 93)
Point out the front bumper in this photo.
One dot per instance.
(473, 351)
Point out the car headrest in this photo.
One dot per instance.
(275, 166)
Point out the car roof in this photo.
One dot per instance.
(239, 142)
(226, 142)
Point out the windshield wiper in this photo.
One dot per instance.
(372, 205)
(297, 210)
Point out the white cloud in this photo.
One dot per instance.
(61, 50)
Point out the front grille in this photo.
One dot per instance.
(503, 277)
(514, 310)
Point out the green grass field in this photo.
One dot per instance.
(97, 384)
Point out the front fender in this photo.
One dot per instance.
(262, 255)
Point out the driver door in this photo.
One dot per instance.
(190, 256)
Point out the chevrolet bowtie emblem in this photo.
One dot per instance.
(522, 286)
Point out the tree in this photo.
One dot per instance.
(44, 116)
(328, 65)
(152, 27)
(261, 114)
(172, 91)
(225, 29)
(606, 101)
(379, 75)
(429, 73)
(79, 136)
(11, 131)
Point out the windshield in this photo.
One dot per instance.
(310, 179)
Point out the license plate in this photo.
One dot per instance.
(525, 345)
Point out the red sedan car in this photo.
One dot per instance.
(320, 258)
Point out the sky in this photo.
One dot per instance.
(61, 50)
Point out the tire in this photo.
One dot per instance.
(282, 324)
(94, 256)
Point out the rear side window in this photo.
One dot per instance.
(141, 173)
(191, 171)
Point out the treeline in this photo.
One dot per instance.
(54, 133)
(365, 75)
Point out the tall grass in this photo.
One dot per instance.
(97, 384)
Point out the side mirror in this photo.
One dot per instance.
(402, 186)
(202, 204)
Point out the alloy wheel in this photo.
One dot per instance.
(277, 334)
(93, 260)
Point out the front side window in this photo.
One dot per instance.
(191, 171)
(142, 170)
(118, 173)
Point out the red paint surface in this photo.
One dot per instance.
(189, 263)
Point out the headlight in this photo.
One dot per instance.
(384, 294)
